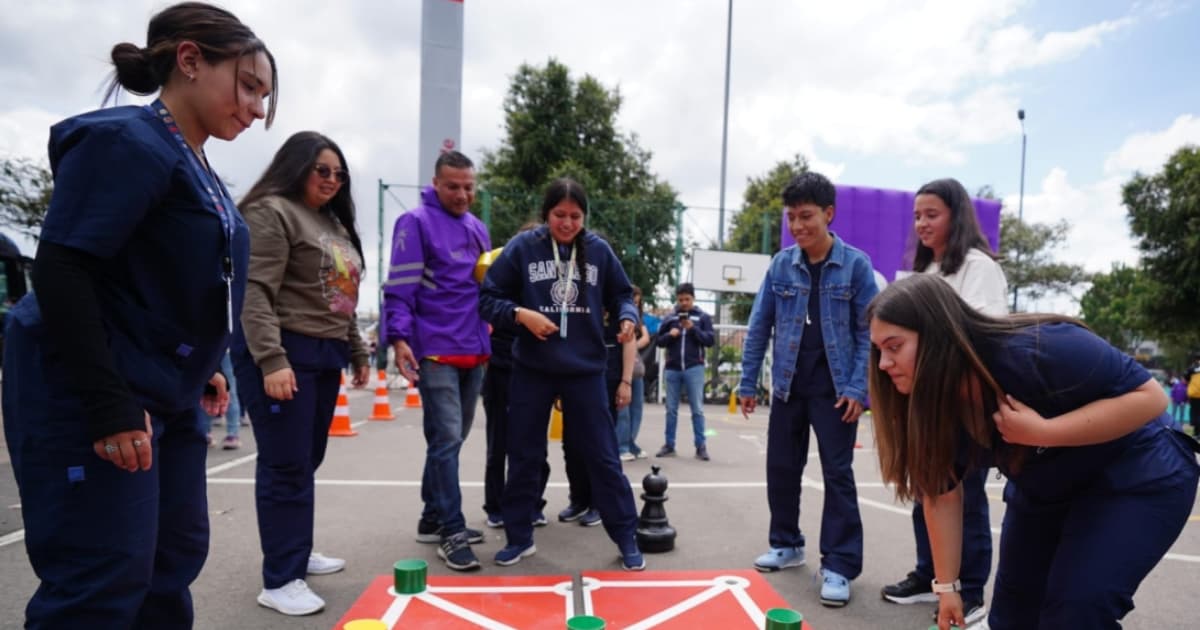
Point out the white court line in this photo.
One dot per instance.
(220, 468)
(671, 612)
(19, 535)
(14, 537)
(462, 613)
(698, 485)
(757, 616)
(393, 613)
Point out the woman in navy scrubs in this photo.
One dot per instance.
(300, 331)
(1099, 482)
(139, 277)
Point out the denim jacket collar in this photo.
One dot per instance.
(835, 257)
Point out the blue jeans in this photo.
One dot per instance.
(629, 419)
(233, 415)
(693, 379)
(448, 399)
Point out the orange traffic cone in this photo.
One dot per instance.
(383, 409)
(413, 397)
(341, 414)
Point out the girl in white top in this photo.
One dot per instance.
(952, 246)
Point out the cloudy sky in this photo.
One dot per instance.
(873, 92)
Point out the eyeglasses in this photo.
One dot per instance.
(324, 172)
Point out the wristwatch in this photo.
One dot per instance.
(952, 587)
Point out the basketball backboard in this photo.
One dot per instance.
(730, 272)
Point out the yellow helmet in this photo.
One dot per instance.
(485, 262)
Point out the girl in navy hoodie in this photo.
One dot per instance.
(555, 282)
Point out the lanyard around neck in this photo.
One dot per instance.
(218, 199)
(562, 315)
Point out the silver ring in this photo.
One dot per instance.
(137, 443)
(110, 448)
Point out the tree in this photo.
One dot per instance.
(557, 126)
(1026, 250)
(25, 188)
(762, 202)
(1164, 211)
(1114, 307)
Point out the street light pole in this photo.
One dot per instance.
(1021, 197)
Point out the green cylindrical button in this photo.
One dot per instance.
(783, 619)
(409, 576)
(585, 622)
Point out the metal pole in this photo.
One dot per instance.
(716, 348)
(766, 235)
(725, 129)
(380, 347)
(678, 244)
(486, 199)
(1020, 199)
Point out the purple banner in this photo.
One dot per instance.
(880, 222)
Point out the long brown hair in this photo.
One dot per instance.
(917, 434)
(965, 233)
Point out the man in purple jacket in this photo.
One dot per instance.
(431, 318)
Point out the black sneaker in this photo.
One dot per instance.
(666, 451)
(572, 513)
(911, 590)
(430, 532)
(456, 551)
(972, 612)
(702, 453)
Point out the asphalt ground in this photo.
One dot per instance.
(368, 503)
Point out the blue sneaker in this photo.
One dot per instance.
(456, 551)
(495, 521)
(512, 554)
(572, 513)
(539, 520)
(590, 519)
(632, 558)
(779, 558)
(835, 589)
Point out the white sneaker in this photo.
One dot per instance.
(322, 565)
(293, 598)
(628, 457)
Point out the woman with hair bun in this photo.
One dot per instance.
(139, 273)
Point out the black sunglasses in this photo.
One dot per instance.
(324, 172)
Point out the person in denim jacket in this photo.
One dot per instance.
(812, 299)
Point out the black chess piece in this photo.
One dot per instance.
(654, 533)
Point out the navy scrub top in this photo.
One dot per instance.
(1056, 368)
(126, 193)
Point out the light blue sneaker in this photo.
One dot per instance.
(780, 558)
(835, 589)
